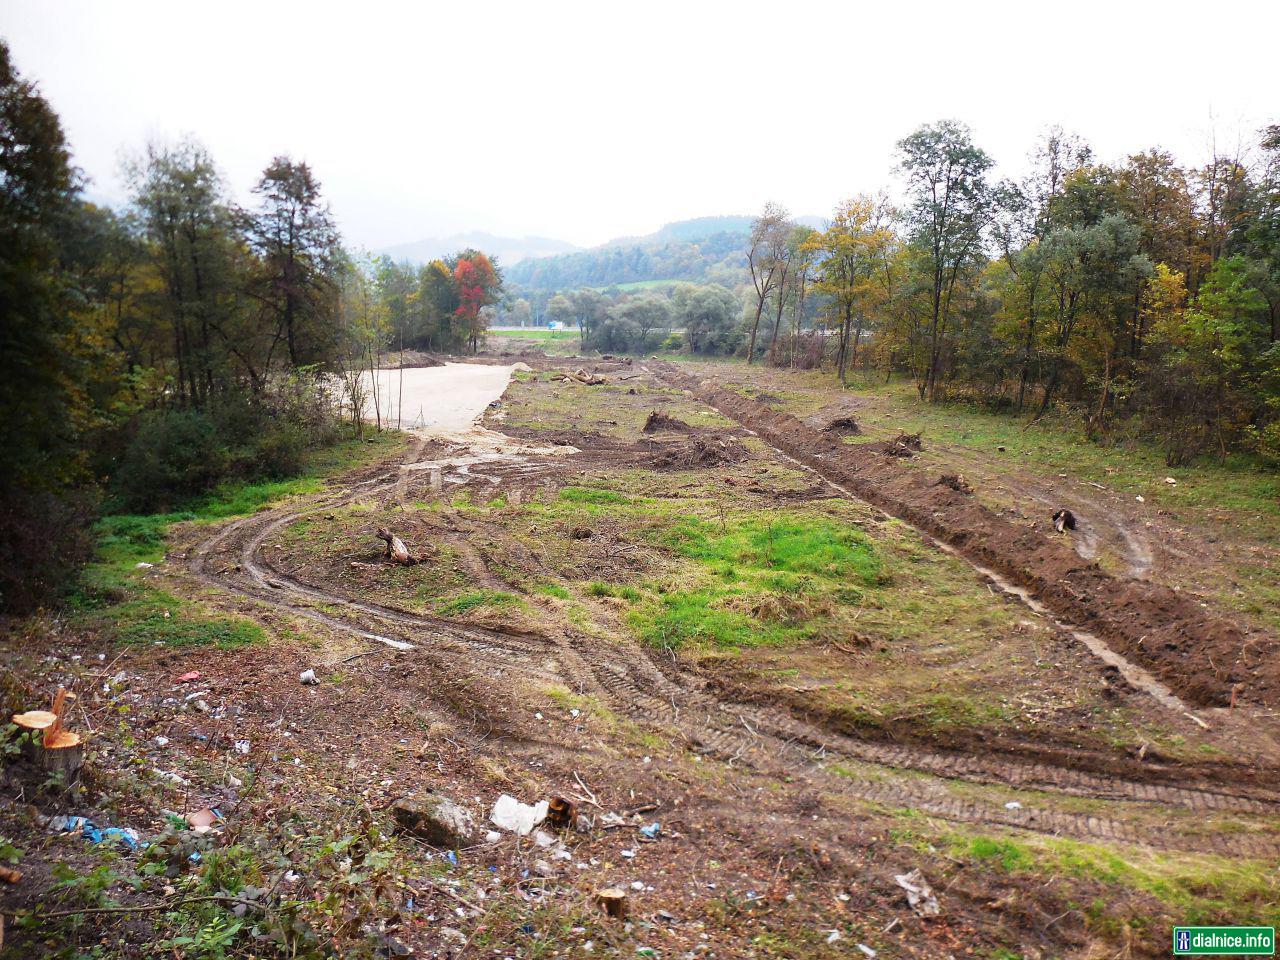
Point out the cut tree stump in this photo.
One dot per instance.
(60, 751)
(612, 901)
(396, 550)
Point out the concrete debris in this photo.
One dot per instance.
(434, 819)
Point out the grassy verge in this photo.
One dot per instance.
(1233, 503)
(1119, 888)
(114, 598)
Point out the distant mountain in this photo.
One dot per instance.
(702, 250)
(508, 250)
(700, 228)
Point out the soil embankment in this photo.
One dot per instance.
(1202, 657)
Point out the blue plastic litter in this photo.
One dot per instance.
(453, 857)
(93, 833)
(652, 831)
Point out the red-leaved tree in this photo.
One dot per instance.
(478, 285)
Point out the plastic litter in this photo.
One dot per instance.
(191, 677)
(520, 818)
(308, 678)
(652, 831)
(1013, 805)
(919, 893)
(866, 950)
(92, 832)
(202, 821)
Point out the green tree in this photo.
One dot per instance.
(709, 316)
(293, 233)
(180, 202)
(40, 536)
(950, 205)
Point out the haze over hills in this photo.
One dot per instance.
(507, 250)
(702, 249)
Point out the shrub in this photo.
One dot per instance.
(175, 455)
(44, 540)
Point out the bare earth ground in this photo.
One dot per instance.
(693, 627)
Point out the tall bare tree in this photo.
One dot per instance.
(767, 259)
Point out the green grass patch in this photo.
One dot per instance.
(768, 579)
(474, 599)
(598, 588)
(593, 495)
(784, 545)
(696, 617)
(153, 617)
(1193, 889)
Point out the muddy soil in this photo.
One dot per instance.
(778, 819)
(1206, 659)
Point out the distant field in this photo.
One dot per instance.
(536, 333)
(641, 285)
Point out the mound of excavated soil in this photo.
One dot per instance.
(1200, 656)
(662, 421)
(843, 426)
(956, 482)
(699, 453)
(904, 446)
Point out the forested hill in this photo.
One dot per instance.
(507, 250)
(705, 250)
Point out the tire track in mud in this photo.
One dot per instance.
(771, 742)
(1205, 658)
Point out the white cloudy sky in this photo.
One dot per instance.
(585, 121)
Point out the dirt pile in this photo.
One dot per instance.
(414, 358)
(843, 427)
(1200, 656)
(956, 482)
(904, 446)
(699, 453)
(658, 420)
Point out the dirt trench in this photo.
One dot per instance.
(764, 739)
(1204, 658)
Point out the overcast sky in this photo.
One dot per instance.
(594, 120)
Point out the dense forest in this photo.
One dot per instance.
(150, 352)
(1143, 292)
(714, 257)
